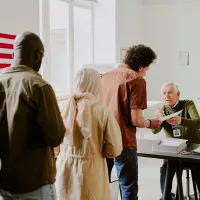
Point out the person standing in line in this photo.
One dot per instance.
(124, 93)
(30, 125)
(92, 134)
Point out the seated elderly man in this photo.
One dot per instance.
(185, 126)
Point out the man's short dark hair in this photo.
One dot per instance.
(139, 56)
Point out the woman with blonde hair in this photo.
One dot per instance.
(92, 134)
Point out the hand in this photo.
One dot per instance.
(159, 113)
(174, 120)
(155, 123)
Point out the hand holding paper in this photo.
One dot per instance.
(175, 120)
(159, 113)
(170, 116)
(155, 123)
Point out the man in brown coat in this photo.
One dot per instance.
(30, 125)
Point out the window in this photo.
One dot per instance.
(67, 32)
(82, 37)
(59, 45)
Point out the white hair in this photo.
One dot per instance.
(176, 88)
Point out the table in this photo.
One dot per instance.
(145, 150)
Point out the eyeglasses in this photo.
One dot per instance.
(41, 51)
(44, 61)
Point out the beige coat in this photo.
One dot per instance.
(82, 172)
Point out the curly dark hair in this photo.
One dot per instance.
(139, 56)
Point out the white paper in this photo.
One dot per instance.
(171, 145)
(197, 150)
(172, 142)
(170, 116)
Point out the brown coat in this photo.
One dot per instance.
(82, 172)
(30, 126)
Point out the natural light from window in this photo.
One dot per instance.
(59, 45)
(82, 37)
(70, 44)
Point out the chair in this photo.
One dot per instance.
(188, 196)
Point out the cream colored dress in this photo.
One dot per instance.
(82, 172)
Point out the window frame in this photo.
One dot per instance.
(45, 36)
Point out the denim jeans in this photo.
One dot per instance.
(127, 172)
(46, 192)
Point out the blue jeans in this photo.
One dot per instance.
(46, 192)
(127, 172)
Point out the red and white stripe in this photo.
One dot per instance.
(6, 49)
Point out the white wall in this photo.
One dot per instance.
(17, 16)
(117, 24)
(104, 31)
(167, 26)
(170, 28)
(129, 24)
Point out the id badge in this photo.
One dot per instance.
(176, 130)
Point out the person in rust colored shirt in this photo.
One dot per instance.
(124, 93)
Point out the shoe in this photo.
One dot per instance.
(173, 195)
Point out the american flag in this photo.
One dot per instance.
(6, 49)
